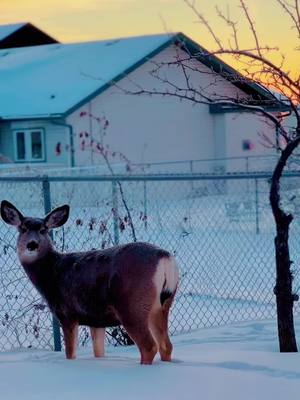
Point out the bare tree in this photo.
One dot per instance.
(267, 69)
(97, 147)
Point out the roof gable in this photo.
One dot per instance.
(255, 90)
(21, 35)
(7, 30)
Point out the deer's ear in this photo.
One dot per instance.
(57, 217)
(10, 214)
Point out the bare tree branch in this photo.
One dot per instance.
(293, 12)
(251, 25)
(202, 20)
(231, 24)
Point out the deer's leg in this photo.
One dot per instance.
(159, 328)
(98, 337)
(140, 333)
(70, 336)
(134, 316)
(134, 312)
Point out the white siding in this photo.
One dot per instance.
(6, 144)
(219, 134)
(249, 127)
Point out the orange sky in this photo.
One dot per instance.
(81, 20)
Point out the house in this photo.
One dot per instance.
(23, 34)
(54, 97)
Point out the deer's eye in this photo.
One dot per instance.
(22, 229)
(43, 231)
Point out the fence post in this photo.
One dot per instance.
(47, 209)
(145, 206)
(192, 171)
(115, 212)
(256, 207)
(247, 165)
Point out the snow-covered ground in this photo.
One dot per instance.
(236, 362)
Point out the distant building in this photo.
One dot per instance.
(53, 94)
(23, 35)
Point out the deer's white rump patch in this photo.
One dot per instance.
(166, 276)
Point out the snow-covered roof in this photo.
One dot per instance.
(55, 79)
(51, 79)
(6, 30)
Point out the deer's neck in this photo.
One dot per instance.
(43, 273)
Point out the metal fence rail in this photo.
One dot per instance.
(219, 227)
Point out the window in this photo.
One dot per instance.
(29, 145)
(20, 145)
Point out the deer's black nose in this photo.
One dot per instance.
(32, 245)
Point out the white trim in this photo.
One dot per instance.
(16, 117)
(28, 145)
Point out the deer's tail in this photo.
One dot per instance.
(166, 278)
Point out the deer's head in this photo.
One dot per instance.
(34, 241)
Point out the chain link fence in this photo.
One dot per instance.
(220, 228)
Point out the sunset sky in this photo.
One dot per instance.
(82, 20)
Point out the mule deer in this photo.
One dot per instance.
(132, 284)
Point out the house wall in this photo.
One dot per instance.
(6, 145)
(219, 136)
(156, 128)
(53, 135)
(259, 133)
(26, 36)
(290, 122)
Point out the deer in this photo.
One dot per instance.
(132, 285)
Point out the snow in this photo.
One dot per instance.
(234, 362)
(51, 79)
(6, 30)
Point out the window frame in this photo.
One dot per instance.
(28, 145)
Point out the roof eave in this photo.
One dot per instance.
(30, 117)
(219, 66)
(215, 108)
